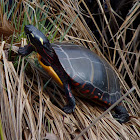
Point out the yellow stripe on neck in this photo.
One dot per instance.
(50, 71)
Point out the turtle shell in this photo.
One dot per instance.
(90, 74)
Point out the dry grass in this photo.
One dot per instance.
(31, 111)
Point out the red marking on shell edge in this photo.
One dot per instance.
(85, 91)
(96, 97)
(105, 102)
(93, 91)
(83, 85)
(76, 84)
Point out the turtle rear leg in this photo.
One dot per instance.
(121, 114)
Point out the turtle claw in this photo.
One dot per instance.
(68, 109)
(27, 49)
(22, 51)
(121, 118)
(121, 114)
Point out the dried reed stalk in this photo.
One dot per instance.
(30, 111)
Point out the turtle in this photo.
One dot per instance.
(75, 67)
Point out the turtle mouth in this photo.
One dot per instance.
(26, 30)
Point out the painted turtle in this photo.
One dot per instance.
(73, 66)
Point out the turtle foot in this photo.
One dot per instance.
(22, 51)
(121, 118)
(121, 114)
(27, 49)
(68, 109)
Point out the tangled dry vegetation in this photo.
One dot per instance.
(31, 102)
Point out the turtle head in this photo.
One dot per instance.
(37, 38)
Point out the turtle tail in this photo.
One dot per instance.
(121, 114)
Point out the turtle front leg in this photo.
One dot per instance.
(27, 49)
(121, 114)
(58, 68)
(70, 107)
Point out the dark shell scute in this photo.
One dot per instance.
(79, 65)
(100, 73)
